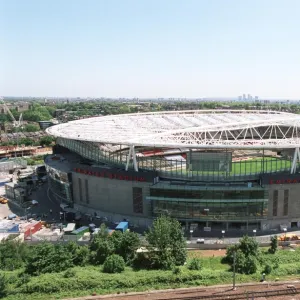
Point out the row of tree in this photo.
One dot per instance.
(43, 141)
(164, 248)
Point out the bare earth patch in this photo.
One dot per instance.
(276, 291)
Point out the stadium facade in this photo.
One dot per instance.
(219, 169)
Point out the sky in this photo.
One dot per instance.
(150, 48)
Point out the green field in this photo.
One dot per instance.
(256, 166)
(246, 167)
(90, 279)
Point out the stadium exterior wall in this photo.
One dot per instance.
(118, 194)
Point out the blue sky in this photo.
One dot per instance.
(149, 48)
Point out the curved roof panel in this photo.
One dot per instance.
(189, 129)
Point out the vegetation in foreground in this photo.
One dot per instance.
(110, 264)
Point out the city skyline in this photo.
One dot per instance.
(143, 49)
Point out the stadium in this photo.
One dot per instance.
(219, 169)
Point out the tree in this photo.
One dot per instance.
(247, 255)
(166, 243)
(26, 141)
(46, 140)
(274, 244)
(126, 244)
(13, 254)
(80, 254)
(31, 128)
(48, 258)
(101, 246)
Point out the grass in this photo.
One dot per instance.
(90, 279)
(248, 167)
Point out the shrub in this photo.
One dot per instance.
(48, 258)
(141, 260)
(274, 244)
(101, 247)
(267, 269)
(23, 279)
(81, 256)
(114, 264)
(176, 271)
(70, 273)
(195, 264)
(3, 284)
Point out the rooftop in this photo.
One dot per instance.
(189, 129)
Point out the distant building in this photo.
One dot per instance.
(45, 124)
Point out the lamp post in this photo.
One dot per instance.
(207, 211)
(233, 279)
(191, 234)
(285, 230)
(223, 233)
(254, 232)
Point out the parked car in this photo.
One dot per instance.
(3, 200)
(34, 202)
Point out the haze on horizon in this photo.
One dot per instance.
(150, 48)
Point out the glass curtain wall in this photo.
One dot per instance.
(212, 205)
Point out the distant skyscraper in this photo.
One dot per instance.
(240, 98)
(244, 97)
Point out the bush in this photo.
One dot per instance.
(3, 284)
(70, 273)
(48, 258)
(114, 264)
(23, 279)
(274, 244)
(176, 271)
(267, 269)
(141, 260)
(195, 264)
(13, 254)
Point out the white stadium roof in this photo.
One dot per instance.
(189, 129)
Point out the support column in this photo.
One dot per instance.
(131, 155)
(134, 159)
(295, 160)
(128, 159)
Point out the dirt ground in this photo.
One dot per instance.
(247, 291)
(209, 253)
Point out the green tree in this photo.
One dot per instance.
(274, 244)
(46, 140)
(31, 128)
(13, 254)
(80, 254)
(48, 258)
(126, 244)
(247, 255)
(101, 246)
(166, 243)
(26, 141)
